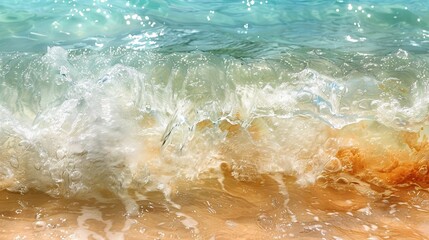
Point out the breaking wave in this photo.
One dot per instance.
(120, 123)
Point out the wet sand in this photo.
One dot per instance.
(270, 207)
(374, 188)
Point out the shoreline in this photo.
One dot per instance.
(241, 210)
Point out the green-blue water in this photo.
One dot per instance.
(87, 88)
(245, 28)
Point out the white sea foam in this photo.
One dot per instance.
(93, 122)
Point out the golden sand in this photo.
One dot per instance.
(258, 209)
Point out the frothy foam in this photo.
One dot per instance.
(140, 122)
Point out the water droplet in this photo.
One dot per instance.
(322, 180)
(342, 180)
(334, 165)
(39, 225)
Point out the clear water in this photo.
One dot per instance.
(126, 99)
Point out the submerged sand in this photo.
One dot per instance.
(369, 190)
(259, 209)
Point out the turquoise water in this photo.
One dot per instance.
(242, 28)
(89, 88)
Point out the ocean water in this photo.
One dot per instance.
(219, 119)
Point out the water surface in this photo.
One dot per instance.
(214, 119)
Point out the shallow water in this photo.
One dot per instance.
(238, 210)
(214, 120)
